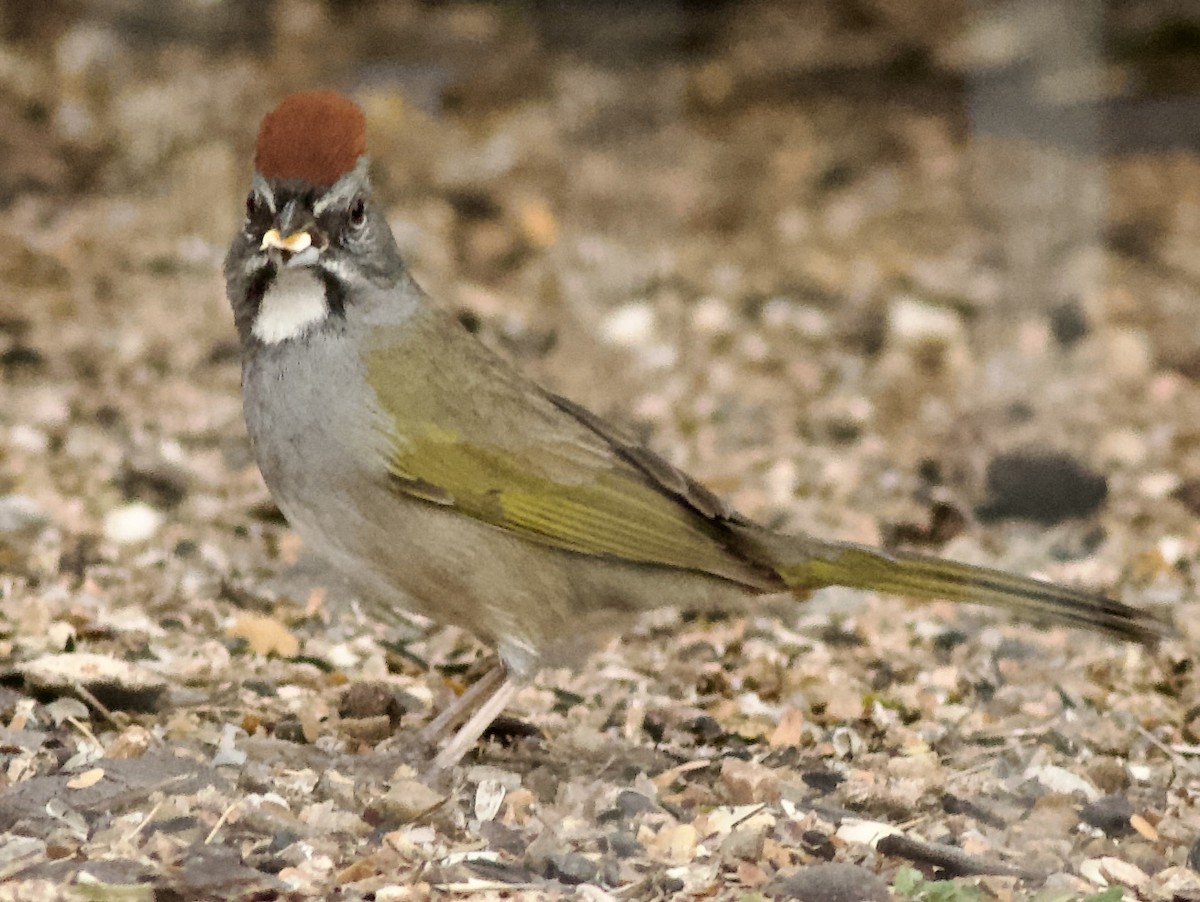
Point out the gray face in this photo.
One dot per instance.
(304, 253)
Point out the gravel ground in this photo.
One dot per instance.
(874, 271)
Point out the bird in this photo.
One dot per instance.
(440, 480)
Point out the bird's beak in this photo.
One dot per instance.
(295, 249)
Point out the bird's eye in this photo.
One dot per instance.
(358, 212)
(251, 204)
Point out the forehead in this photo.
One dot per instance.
(280, 192)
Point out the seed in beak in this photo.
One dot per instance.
(293, 243)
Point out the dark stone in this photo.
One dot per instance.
(282, 840)
(838, 636)
(507, 730)
(290, 730)
(948, 640)
(502, 838)
(502, 871)
(157, 483)
(952, 804)
(1109, 813)
(653, 727)
(785, 756)
(706, 728)
(185, 548)
(22, 358)
(1068, 324)
(370, 699)
(822, 781)
(571, 868)
(1188, 494)
(543, 783)
(1044, 486)
(630, 803)
(623, 844)
(829, 883)
(818, 845)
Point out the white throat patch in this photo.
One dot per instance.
(295, 300)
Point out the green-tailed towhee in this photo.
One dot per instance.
(440, 480)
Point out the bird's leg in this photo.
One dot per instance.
(459, 709)
(469, 733)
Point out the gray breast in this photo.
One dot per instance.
(313, 425)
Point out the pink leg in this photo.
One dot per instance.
(458, 710)
(469, 734)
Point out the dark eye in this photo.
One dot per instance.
(251, 204)
(358, 212)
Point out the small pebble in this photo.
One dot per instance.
(19, 513)
(132, 523)
(711, 316)
(1128, 356)
(1159, 484)
(1124, 872)
(406, 800)
(1123, 447)
(1060, 780)
(156, 482)
(26, 438)
(743, 842)
(823, 781)
(747, 782)
(1068, 324)
(365, 729)
(623, 844)
(370, 699)
(630, 326)
(630, 803)
(1188, 494)
(502, 838)
(1109, 774)
(571, 868)
(830, 883)
(133, 742)
(911, 321)
(1110, 813)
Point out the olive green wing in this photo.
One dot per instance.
(497, 448)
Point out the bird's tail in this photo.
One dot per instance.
(806, 564)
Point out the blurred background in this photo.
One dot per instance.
(860, 265)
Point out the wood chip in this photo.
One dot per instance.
(86, 779)
(265, 635)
